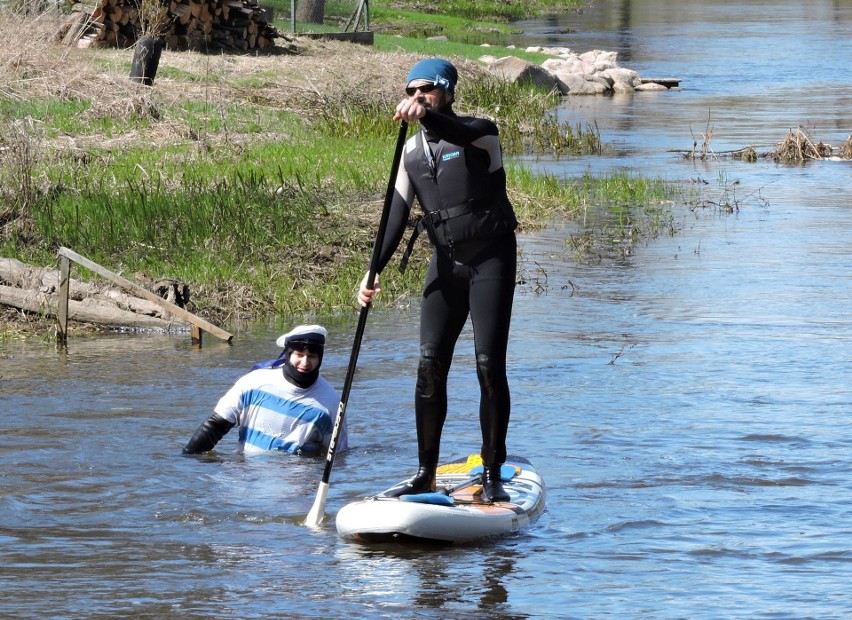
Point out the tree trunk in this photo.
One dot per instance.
(311, 11)
(146, 58)
(89, 310)
(44, 280)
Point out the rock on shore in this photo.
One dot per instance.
(592, 73)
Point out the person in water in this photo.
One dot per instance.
(283, 405)
(454, 167)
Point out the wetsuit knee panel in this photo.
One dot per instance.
(431, 376)
(490, 377)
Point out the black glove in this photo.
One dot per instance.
(208, 434)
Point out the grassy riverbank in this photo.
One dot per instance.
(256, 180)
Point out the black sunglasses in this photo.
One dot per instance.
(425, 88)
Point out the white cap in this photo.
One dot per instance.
(309, 333)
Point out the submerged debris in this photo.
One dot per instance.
(846, 149)
(799, 147)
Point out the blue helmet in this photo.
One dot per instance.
(436, 70)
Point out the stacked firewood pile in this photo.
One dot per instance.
(199, 25)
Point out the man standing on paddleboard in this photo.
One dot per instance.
(283, 405)
(454, 167)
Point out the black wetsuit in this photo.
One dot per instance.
(461, 185)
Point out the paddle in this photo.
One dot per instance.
(315, 516)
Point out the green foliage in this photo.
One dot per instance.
(478, 10)
(42, 110)
(57, 115)
(356, 116)
(265, 209)
(525, 118)
(457, 46)
(620, 212)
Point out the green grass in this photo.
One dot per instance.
(223, 217)
(487, 10)
(452, 48)
(472, 14)
(56, 117)
(265, 210)
(65, 116)
(264, 218)
(57, 112)
(619, 212)
(181, 75)
(406, 24)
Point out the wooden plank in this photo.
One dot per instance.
(146, 294)
(667, 82)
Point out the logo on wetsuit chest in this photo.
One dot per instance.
(449, 156)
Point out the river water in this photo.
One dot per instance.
(688, 403)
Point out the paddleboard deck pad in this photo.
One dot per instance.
(456, 512)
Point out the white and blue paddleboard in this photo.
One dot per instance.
(456, 512)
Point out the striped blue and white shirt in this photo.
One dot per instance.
(274, 414)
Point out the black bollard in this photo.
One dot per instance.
(146, 57)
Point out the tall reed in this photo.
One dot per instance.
(525, 117)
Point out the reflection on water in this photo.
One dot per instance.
(687, 405)
(751, 71)
(428, 577)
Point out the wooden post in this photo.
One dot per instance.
(126, 284)
(62, 311)
(195, 334)
(146, 58)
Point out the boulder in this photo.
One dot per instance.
(622, 77)
(619, 88)
(650, 86)
(600, 84)
(551, 51)
(519, 71)
(606, 60)
(569, 64)
(576, 84)
(591, 73)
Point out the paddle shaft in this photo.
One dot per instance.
(315, 515)
(477, 479)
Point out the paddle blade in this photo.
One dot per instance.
(314, 518)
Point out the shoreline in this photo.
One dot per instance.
(255, 110)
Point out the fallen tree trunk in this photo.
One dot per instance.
(35, 289)
(89, 310)
(44, 280)
(51, 293)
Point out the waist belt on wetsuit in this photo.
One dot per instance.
(431, 219)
